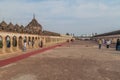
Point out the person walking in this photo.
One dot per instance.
(100, 43)
(108, 42)
(25, 45)
(41, 44)
(118, 45)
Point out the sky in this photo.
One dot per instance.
(64, 16)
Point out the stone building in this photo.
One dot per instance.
(112, 36)
(32, 28)
(12, 37)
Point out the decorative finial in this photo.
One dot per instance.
(3, 18)
(33, 16)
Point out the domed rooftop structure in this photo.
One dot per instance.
(10, 27)
(16, 28)
(3, 25)
(34, 27)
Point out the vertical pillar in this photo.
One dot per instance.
(37, 42)
(11, 41)
(18, 49)
(51, 42)
(4, 45)
(43, 39)
(27, 46)
(30, 42)
(7, 49)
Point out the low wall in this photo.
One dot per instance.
(14, 42)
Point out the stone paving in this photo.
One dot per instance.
(80, 60)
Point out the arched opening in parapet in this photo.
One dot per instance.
(24, 43)
(47, 39)
(35, 38)
(20, 42)
(32, 38)
(1, 42)
(14, 41)
(8, 42)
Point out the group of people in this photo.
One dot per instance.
(32, 44)
(72, 40)
(108, 43)
(105, 42)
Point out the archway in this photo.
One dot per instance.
(1, 42)
(14, 43)
(29, 41)
(25, 39)
(32, 38)
(25, 43)
(20, 42)
(36, 42)
(36, 38)
(8, 42)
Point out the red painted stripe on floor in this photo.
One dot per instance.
(23, 56)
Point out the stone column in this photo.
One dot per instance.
(11, 41)
(38, 42)
(31, 42)
(4, 45)
(18, 49)
(27, 46)
(44, 43)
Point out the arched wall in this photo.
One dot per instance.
(17, 41)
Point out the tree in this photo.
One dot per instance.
(67, 34)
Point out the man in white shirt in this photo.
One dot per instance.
(108, 42)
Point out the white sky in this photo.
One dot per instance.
(72, 16)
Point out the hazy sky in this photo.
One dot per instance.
(72, 16)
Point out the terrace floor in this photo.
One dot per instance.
(80, 60)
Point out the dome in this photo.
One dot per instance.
(3, 24)
(34, 27)
(10, 27)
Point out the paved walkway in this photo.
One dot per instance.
(81, 60)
